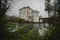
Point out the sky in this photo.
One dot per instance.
(34, 4)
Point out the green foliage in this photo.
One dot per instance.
(55, 20)
(34, 35)
(3, 20)
(25, 33)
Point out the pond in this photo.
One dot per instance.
(39, 26)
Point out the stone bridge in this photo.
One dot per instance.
(43, 20)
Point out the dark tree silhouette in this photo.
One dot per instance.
(4, 6)
(55, 21)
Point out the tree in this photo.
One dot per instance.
(4, 6)
(55, 21)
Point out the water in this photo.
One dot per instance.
(38, 26)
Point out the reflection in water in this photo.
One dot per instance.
(34, 25)
(38, 26)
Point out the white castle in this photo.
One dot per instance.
(28, 14)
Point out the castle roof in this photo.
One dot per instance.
(29, 8)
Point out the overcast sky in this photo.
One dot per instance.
(34, 4)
